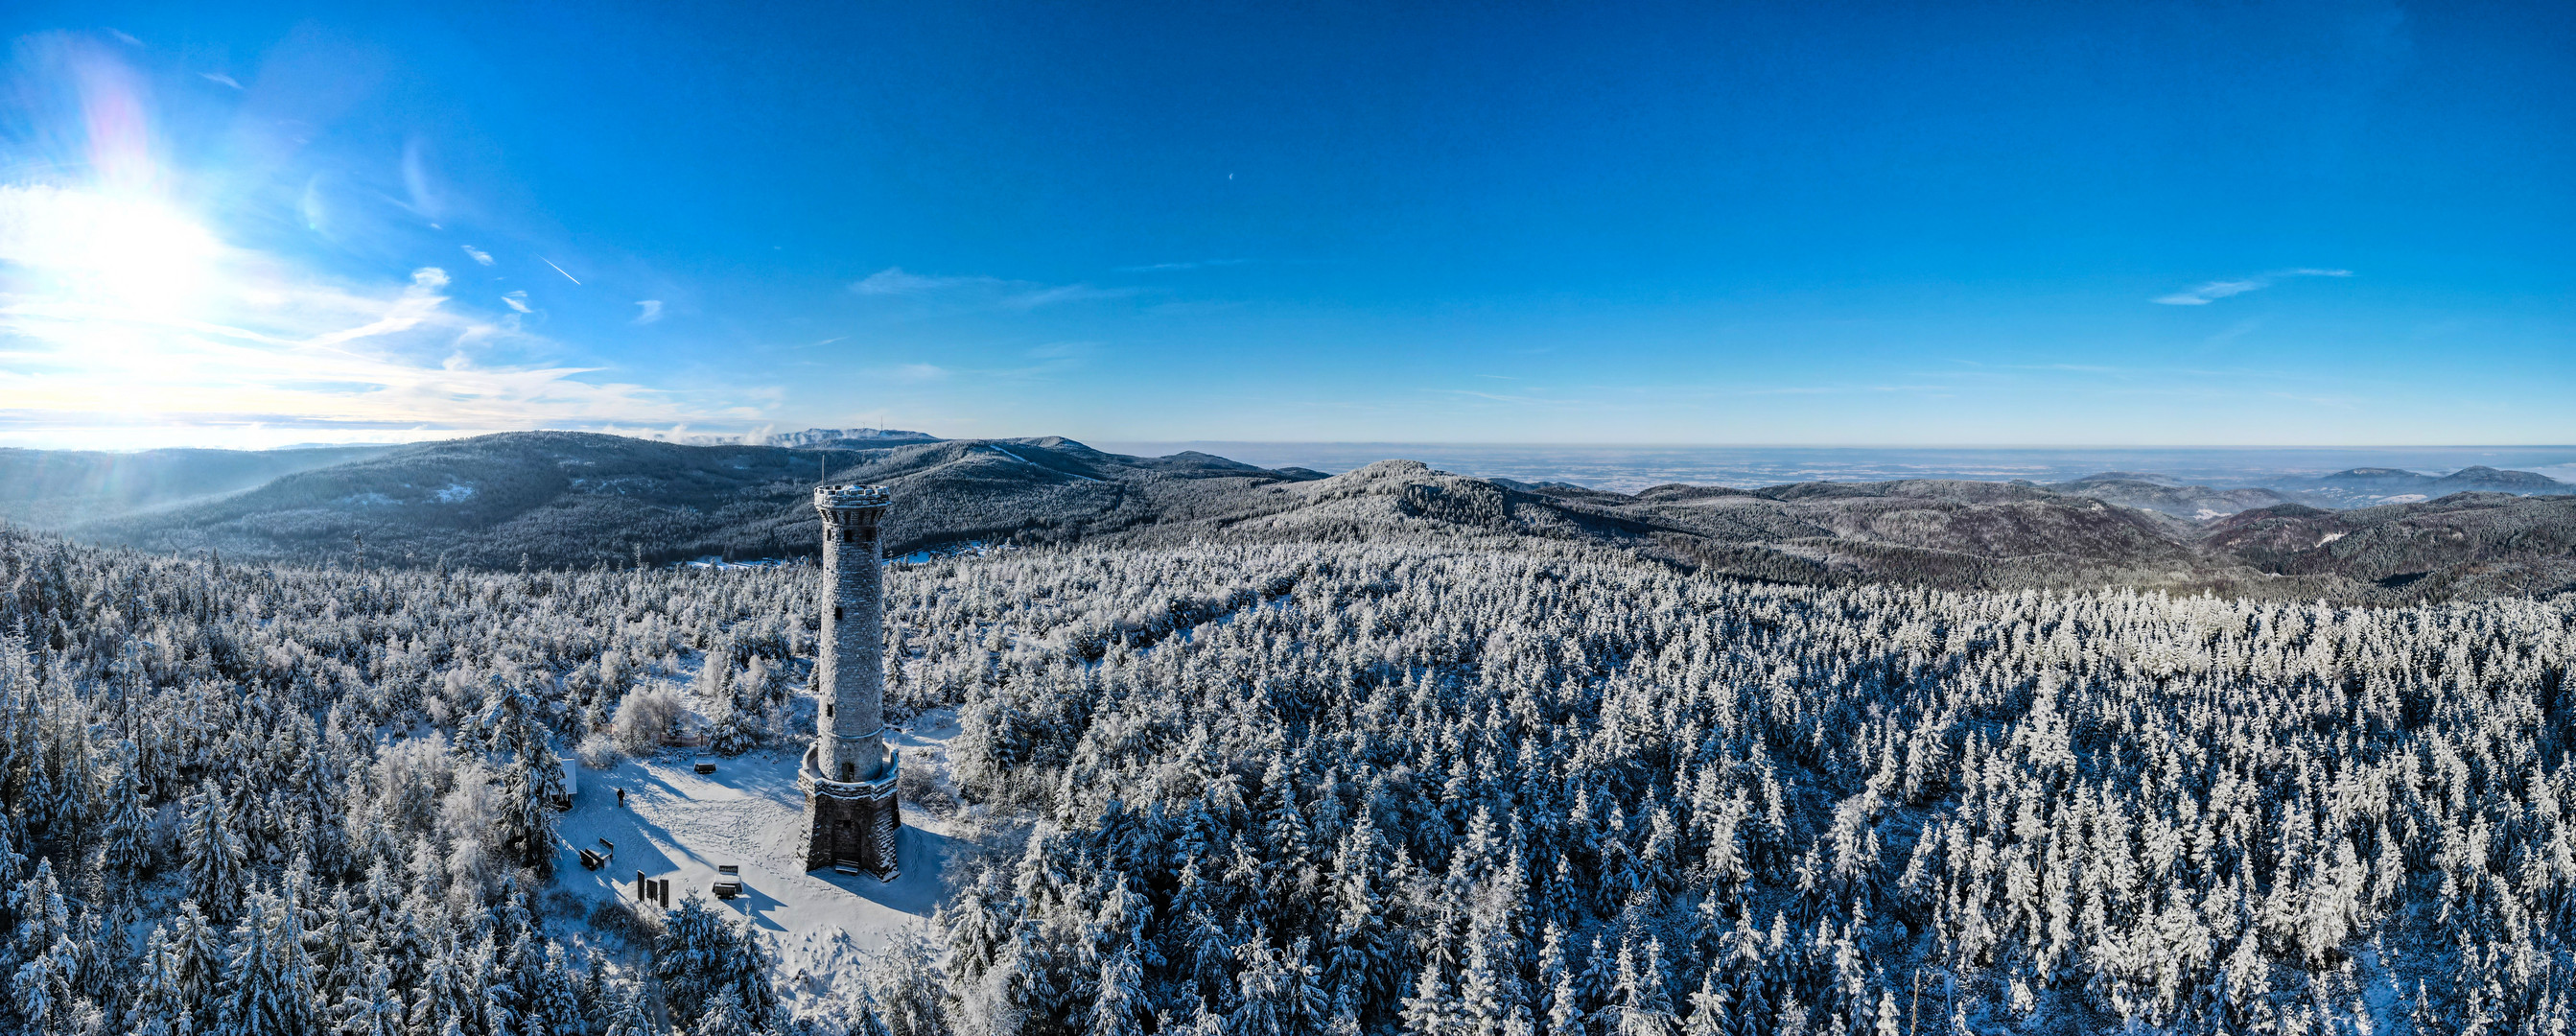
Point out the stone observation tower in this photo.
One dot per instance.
(849, 775)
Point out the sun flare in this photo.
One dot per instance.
(128, 251)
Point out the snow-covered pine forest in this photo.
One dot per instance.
(1311, 789)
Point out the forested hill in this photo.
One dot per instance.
(562, 499)
(573, 499)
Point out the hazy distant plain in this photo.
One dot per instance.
(1631, 468)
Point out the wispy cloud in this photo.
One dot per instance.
(1064, 350)
(1193, 307)
(652, 311)
(895, 280)
(129, 317)
(2096, 372)
(1495, 397)
(558, 269)
(2077, 368)
(1042, 361)
(155, 323)
(1048, 296)
(1201, 264)
(2216, 290)
(1834, 390)
(2340, 402)
(979, 291)
(218, 77)
(2233, 332)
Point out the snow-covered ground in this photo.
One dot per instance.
(681, 825)
(968, 549)
(713, 561)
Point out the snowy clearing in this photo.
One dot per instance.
(681, 825)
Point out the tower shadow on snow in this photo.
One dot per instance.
(918, 890)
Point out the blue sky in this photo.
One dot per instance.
(2299, 223)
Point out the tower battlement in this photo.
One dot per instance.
(849, 775)
(844, 498)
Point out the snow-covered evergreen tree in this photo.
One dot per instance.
(126, 836)
(268, 980)
(734, 730)
(373, 1008)
(628, 1017)
(702, 955)
(216, 858)
(531, 774)
(723, 1016)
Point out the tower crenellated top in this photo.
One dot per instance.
(828, 499)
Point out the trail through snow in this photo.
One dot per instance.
(1034, 464)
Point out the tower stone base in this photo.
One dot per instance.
(851, 822)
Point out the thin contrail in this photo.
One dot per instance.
(558, 269)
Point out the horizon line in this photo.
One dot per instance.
(681, 437)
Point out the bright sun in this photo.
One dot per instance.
(120, 250)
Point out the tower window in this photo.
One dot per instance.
(848, 771)
(836, 613)
(827, 712)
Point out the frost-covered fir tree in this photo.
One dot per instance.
(154, 1002)
(736, 726)
(531, 774)
(374, 1007)
(627, 1016)
(44, 993)
(702, 955)
(215, 856)
(268, 979)
(126, 847)
(1118, 1005)
(905, 986)
(554, 997)
(723, 1016)
(196, 961)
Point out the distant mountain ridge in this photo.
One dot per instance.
(2356, 487)
(807, 439)
(573, 499)
(838, 436)
(2167, 496)
(2364, 487)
